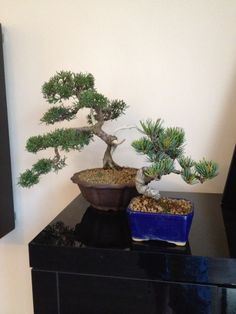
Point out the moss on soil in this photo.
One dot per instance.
(163, 205)
(109, 176)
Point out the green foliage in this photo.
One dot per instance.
(114, 110)
(163, 147)
(186, 162)
(60, 113)
(143, 146)
(65, 139)
(156, 155)
(28, 179)
(188, 173)
(83, 81)
(158, 141)
(92, 99)
(43, 166)
(160, 168)
(152, 129)
(171, 141)
(206, 169)
(189, 176)
(66, 84)
(79, 89)
(110, 110)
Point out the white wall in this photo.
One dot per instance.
(170, 59)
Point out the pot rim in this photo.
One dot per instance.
(75, 179)
(130, 210)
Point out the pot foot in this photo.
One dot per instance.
(177, 243)
(171, 242)
(139, 240)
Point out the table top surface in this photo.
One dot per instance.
(213, 231)
(84, 241)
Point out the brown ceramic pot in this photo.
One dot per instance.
(106, 196)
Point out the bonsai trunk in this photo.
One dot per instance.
(110, 140)
(108, 162)
(142, 185)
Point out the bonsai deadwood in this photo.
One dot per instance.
(70, 92)
(164, 149)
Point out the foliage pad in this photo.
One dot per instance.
(164, 149)
(70, 92)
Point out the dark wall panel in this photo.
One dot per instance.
(6, 200)
(230, 185)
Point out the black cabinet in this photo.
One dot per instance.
(7, 221)
(110, 295)
(80, 266)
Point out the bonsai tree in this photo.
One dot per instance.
(164, 149)
(69, 93)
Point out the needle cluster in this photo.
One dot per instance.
(164, 149)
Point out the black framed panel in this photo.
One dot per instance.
(45, 292)
(228, 198)
(109, 295)
(7, 221)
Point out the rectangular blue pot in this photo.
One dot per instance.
(159, 226)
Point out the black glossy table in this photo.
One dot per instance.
(84, 262)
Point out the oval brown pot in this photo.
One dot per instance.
(106, 196)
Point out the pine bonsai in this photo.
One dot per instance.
(164, 149)
(79, 90)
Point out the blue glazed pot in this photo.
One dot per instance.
(160, 226)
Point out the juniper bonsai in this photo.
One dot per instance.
(69, 93)
(164, 149)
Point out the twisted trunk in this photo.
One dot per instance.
(142, 185)
(108, 162)
(110, 140)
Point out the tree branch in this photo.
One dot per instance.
(92, 117)
(57, 155)
(125, 127)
